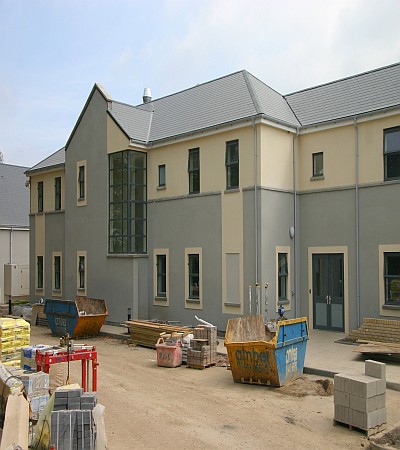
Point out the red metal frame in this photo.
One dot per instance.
(47, 358)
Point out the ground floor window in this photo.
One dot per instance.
(39, 272)
(57, 273)
(283, 288)
(282, 276)
(81, 272)
(392, 278)
(193, 278)
(161, 275)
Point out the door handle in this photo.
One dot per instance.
(330, 300)
(327, 299)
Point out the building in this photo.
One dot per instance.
(14, 222)
(182, 205)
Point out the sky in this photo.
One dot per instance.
(53, 51)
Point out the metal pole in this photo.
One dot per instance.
(266, 304)
(258, 306)
(249, 300)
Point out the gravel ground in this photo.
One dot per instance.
(149, 407)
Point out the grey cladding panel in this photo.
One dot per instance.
(14, 196)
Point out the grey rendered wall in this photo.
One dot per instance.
(379, 224)
(277, 212)
(177, 224)
(249, 258)
(327, 219)
(109, 278)
(32, 262)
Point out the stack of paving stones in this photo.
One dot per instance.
(72, 424)
(381, 330)
(202, 352)
(360, 400)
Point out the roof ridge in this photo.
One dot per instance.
(191, 87)
(13, 165)
(342, 79)
(251, 91)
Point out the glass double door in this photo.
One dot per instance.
(328, 291)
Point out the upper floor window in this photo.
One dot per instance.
(81, 182)
(127, 202)
(57, 192)
(40, 196)
(194, 171)
(232, 164)
(318, 164)
(161, 175)
(391, 149)
(392, 278)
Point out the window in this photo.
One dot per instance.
(232, 164)
(161, 275)
(392, 278)
(282, 276)
(81, 182)
(161, 175)
(194, 171)
(392, 153)
(57, 192)
(194, 277)
(57, 273)
(81, 273)
(127, 202)
(40, 196)
(40, 272)
(318, 164)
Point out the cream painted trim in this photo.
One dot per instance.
(382, 250)
(322, 250)
(56, 292)
(283, 249)
(81, 292)
(81, 201)
(159, 301)
(190, 304)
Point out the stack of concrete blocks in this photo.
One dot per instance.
(72, 423)
(202, 352)
(360, 400)
(36, 386)
(28, 355)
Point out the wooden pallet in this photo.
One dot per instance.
(367, 433)
(199, 367)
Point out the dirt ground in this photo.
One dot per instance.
(149, 407)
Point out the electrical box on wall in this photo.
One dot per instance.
(16, 280)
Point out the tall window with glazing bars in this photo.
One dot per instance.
(127, 202)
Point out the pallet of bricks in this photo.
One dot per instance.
(14, 334)
(202, 352)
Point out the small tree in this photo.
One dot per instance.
(1, 157)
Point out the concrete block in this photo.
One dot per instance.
(362, 404)
(381, 416)
(363, 386)
(365, 421)
(341, 398)
(381, 401)
(341, 382)
(342, 414)
(375, 369)
(381, 387)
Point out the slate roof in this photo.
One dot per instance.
(14, 197)
(241, 96)
(360, 94)
(57, 159)
(228, 99)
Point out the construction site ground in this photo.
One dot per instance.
(148, 407)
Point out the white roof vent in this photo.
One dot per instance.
(146, 95)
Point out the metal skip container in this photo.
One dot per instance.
(258, 356)
(83, 317)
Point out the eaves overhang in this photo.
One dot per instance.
(29, 173)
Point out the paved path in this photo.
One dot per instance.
(324, 355)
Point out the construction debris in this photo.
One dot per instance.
(376, 347)
(146, 333)
(202, 352)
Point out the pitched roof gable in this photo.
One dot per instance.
(57, 159)
(14, 197)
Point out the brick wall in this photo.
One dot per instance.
(381, 330)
